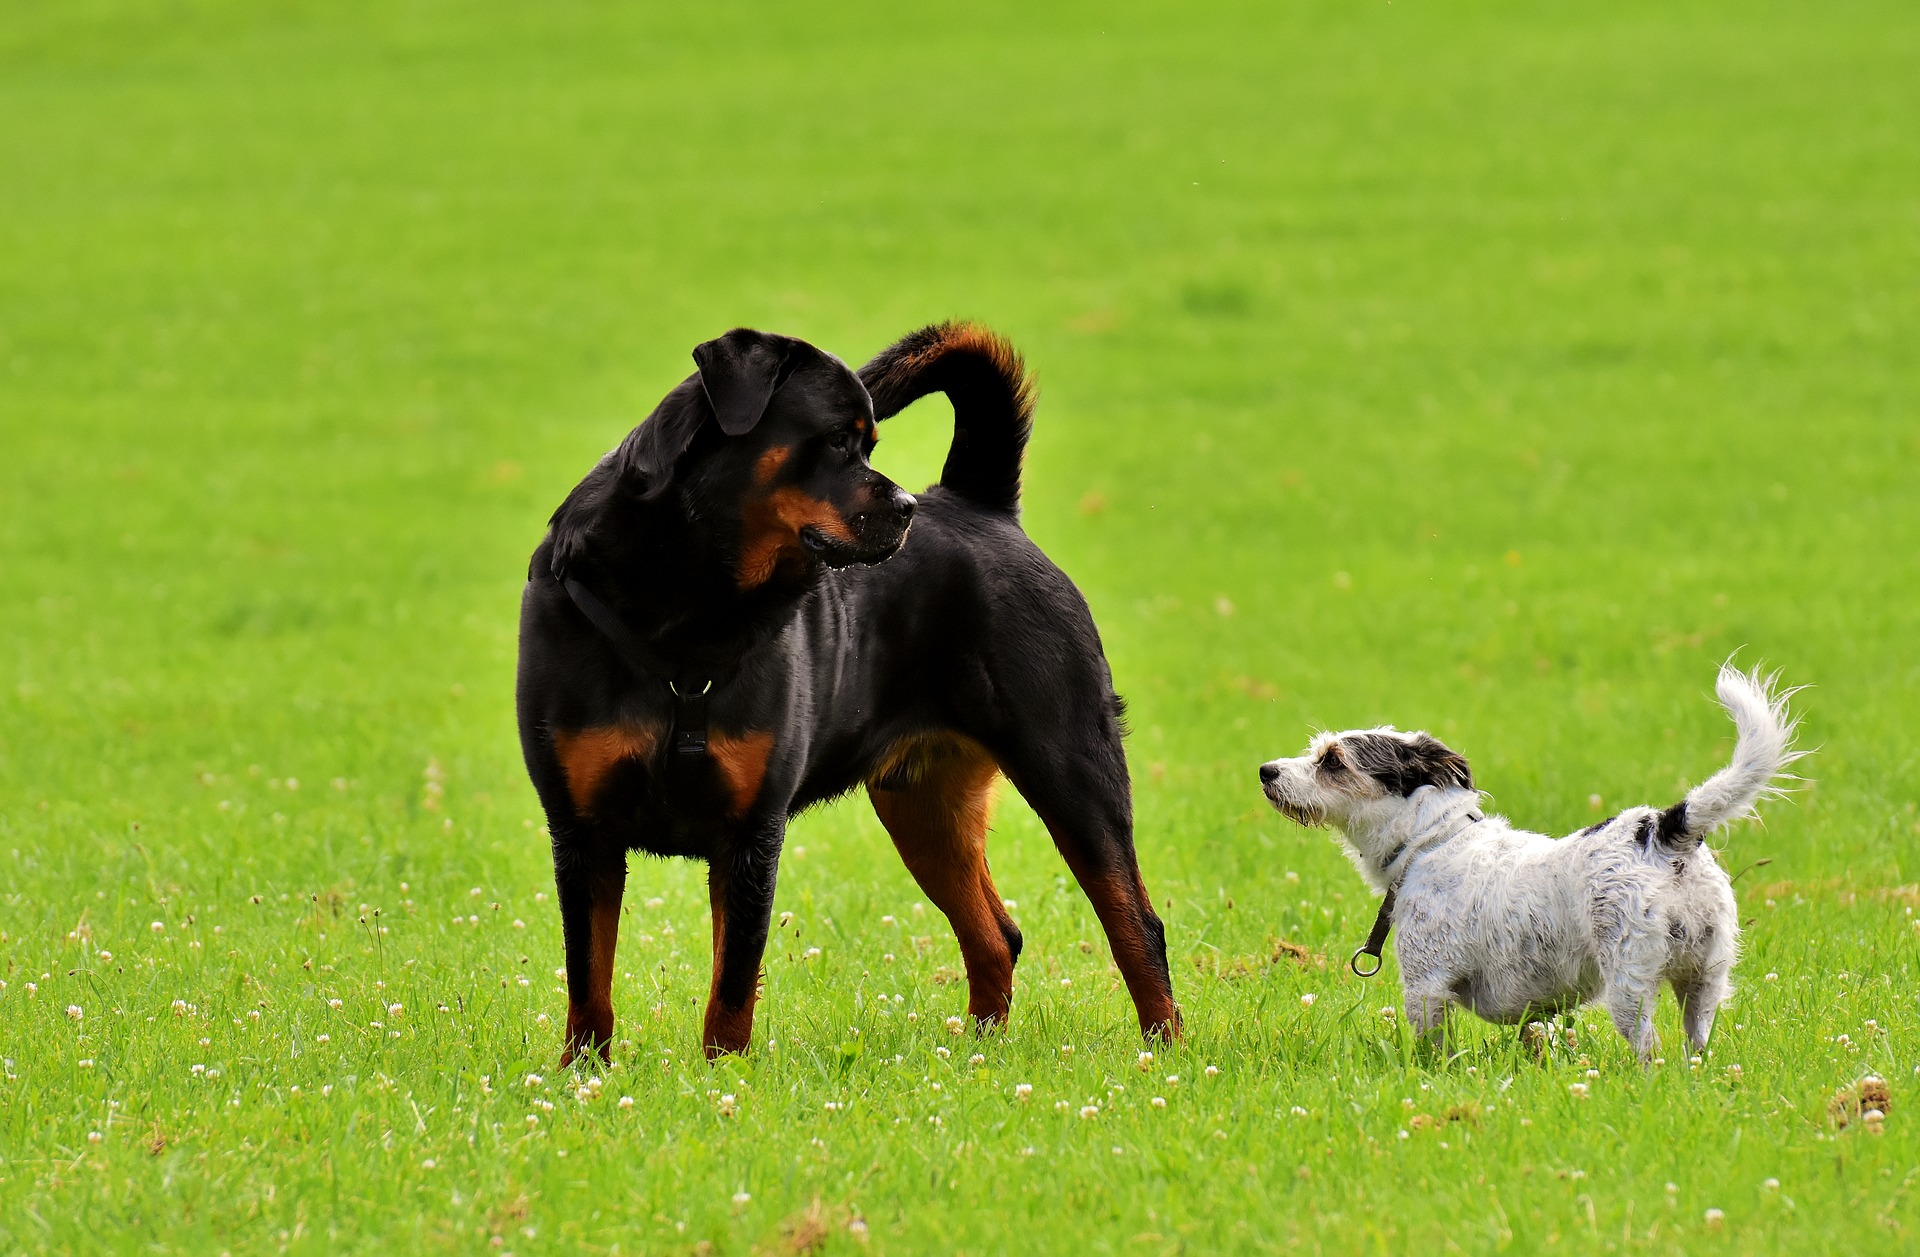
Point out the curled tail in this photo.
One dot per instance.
(1765, 748)
(992, 398)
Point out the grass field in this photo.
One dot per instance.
(1492, 368)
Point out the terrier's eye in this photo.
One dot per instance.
(1330, 761)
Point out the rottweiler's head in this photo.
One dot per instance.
(768, 450)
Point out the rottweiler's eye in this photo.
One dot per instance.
(840, 441)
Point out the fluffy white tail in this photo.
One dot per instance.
(1765, 748)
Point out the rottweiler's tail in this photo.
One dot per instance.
(992, 397)
(1760, 757)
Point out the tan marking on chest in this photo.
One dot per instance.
(588, 755)
(770, 530)
(742, 762)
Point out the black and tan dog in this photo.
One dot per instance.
(728, 623)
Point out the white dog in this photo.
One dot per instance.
(1515, 925)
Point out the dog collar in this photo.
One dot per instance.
(689, 736)
(1383, 921)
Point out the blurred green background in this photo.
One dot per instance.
(1495, 368)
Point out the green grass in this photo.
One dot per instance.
(1493, 368)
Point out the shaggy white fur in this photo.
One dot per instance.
(1515, 925)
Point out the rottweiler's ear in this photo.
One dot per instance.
(740, 372)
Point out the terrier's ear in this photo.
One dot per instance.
(740, 372)
(1435, 763)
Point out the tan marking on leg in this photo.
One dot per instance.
(588, 755)
(727, 1030)
(934, 796)
(590, 1012)
(742, 761)
(1121, 902)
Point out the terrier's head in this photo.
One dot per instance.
(1361, 782)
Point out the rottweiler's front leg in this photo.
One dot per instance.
(740, 884)
(590, 876)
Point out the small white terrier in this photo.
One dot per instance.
(1516, 925)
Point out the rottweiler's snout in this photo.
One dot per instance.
(903, 504)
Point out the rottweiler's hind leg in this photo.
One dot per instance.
(934, 794)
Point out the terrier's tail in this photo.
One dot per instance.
(1764, 750)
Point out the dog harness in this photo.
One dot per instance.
(1383, 923)
(689, 736)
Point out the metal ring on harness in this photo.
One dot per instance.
(1353, 962)
(677, 693)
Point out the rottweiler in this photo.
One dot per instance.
(735, 617)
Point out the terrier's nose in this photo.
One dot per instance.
(1269, 773)
(903, 504)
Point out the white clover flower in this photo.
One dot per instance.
(334, 1003)
(942, 1053)
(1772, 1185)
(1299, 1112)
(179, 1008)
(955, 1025)
(626, 1102)
(1023, 1091)
(518, 924)
(534, 1080)
(1211, 1071)
(1089, 1112)
(158, 927)
(394, 1010)
(1715, 1217)
(323, 1038)
(1306, 1001)
(727, 1106)
(1579, 1090)
(741, 1200)
(74, 1013)
(977, 1059)
(1145, 1063)
(1158, 1102)
(94, 1136)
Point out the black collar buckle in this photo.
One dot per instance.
(689, 720)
